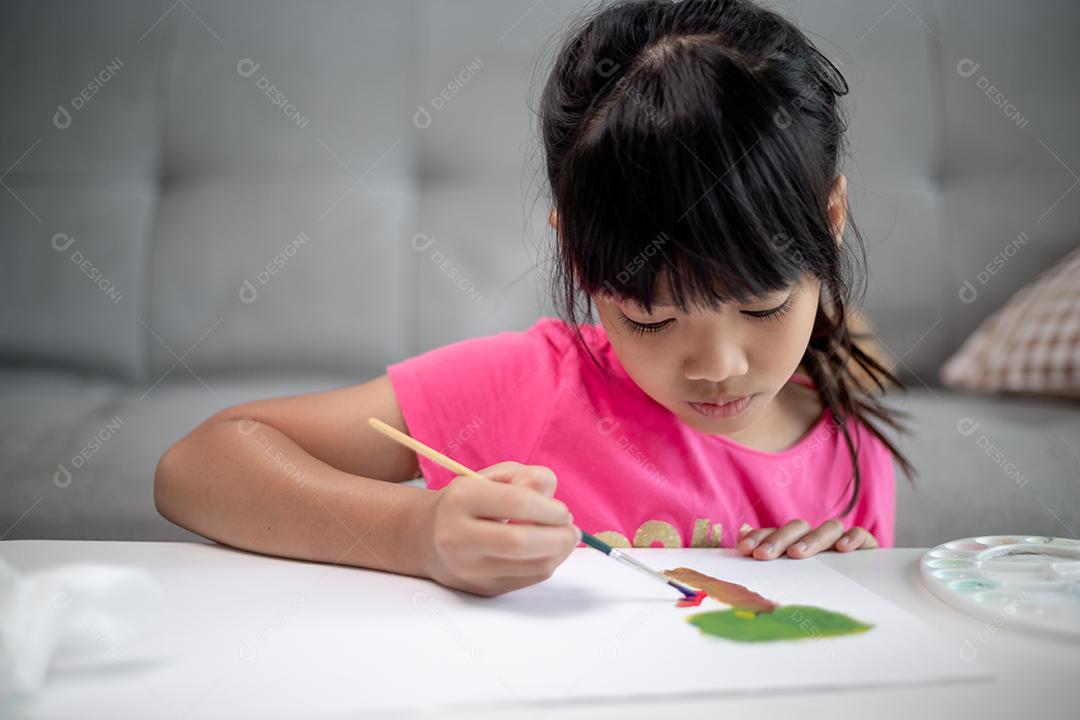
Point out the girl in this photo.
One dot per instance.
(692, 153)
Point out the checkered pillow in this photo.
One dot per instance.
(1031, 344)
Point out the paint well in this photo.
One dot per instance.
(967, 586)
(942, 554)
(996, 540)
(953, 574)
(937, 564)
(965, 545)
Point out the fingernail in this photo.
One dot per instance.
(744, 528)
(801, 547)
(751, 543)
(769, 547)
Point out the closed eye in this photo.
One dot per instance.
(772, 313)
(644, 328)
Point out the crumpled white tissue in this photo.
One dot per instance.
(84, 611)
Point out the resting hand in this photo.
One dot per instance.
(801, 541)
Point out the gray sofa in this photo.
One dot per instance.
(208, 202)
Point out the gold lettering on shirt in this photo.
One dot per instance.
(614, 539)
(706, 534)
(652, 531)
(702, 537)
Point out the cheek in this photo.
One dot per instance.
(779, 347)
(649, 367)
(649, 364)
(790, 344)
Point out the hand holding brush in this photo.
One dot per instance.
(474, 548)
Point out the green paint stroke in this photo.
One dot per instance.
(787, 622)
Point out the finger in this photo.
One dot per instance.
(501, 472)
(743, 530)
(751, 539)
(778, 541)
(538, 477)
(524, 542)
(823, 538)
(856, 538)
(502, 568)
(501, 500)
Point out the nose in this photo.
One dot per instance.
(715, 360)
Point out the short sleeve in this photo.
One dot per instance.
(479, 401)
(880, 488)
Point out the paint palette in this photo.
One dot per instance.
(1022, 582)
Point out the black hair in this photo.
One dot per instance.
(699, 141)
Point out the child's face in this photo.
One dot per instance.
(713, 356)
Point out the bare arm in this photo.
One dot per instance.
(301, 477)
(306, 477)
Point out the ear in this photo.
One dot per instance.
(838, 207)
(553, 219)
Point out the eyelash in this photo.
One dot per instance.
(652, 328)
(773, 314)
(643, 328)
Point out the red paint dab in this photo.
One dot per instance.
(692, 601)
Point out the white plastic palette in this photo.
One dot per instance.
(1019, 581)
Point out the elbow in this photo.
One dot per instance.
(181, 469)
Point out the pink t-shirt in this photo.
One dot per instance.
(630, 470)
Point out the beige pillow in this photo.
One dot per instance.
(1031, 344)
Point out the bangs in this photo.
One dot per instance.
(723, 206)
(692, 152)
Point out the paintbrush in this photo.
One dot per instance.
(591, 540)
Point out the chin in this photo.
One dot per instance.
(726, 426)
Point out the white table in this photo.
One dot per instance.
(1033, 675)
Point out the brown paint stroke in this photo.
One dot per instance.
(725, 592)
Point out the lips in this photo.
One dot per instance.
(726, 406)
(719, 401)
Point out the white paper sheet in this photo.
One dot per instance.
(298, 639)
